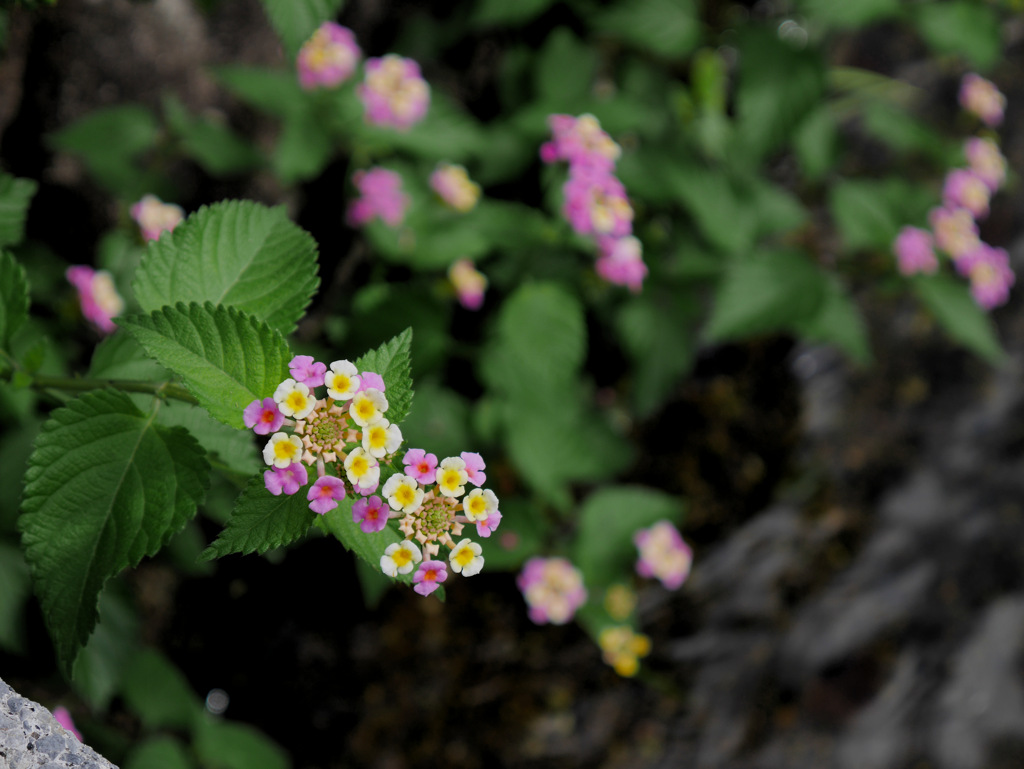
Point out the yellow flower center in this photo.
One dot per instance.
(284, 449)
(401, 557)
(296, 400)
(477, 505)
(464, 557)
(359, 466)
(405, 495)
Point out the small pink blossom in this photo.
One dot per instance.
(914, 252)
(553, 589)
(370, 380)
(429, 576)
(985, 159)
(97, 296)
(366, 490)
(325, 493)
(485, 526)
(454, 187)
(596, 204)
(622, 262)
(328, 58)
(381, 196)
(991, 276)
(981, 97)
(581, 142)
(420, 465)
(663, 554)
(154, 216)
(474, 467)
(263, 417)
(469, 283)
(955, 230)
(965, 189)
(394, 92)
(370, 513)
(63, 717)
(285, 479)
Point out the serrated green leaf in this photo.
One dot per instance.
(393, 361)
(226, 446)
(951, 303)
(228, 745)
(159, 753)
(236, 253)
(119, 356)
(669, 28)
(604, 549)
(15, 196)
(106, 485)
(296, 20)
(13, 298)
(963, 27)
(158, 692)
(260, 522)
(369, 547)
(226, 358)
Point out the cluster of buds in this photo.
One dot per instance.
(966, 193)
(97, 296)
(380, 197)
(155, 217)
(622, 648)
(596, 204)
(328, 58)
(453, 185)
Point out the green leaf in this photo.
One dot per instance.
(13, 298)
(838, 321)
(99, 667)
(862, 214)
(158, 692)
(722, 216)
(15, 588)
(564, 70)
(274, 91)
(448, 133)
(850, 14)
(393, 361)
(159, 753)
(296, 20)
(236, 253)
(213, 145)
(765, 293)
(816, 142)
(260, 522)
(234, 449)
(227, 745)
(669, 28)
(604, 549)
(119, 356)
(951, 303)
(303, 149)
(226, 358)
(131, 485)
(15, 196)
(961, 27)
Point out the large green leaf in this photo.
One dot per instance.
(952, 305)
(226, 358)
(260, 522)
(106, 485)
(295, 20)
(392, 360)
(236, 253)
(13, 298)
(604, 549)
(15, 196)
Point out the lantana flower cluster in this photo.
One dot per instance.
(596, 204)
(380, 197)
(966, 193)
(97, 296)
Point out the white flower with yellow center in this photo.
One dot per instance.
(479, 504)
(282, 450)
(361, 468)
(400, 558)
(466, 559)
(381, 438)
(403, 493)
(342, 380)
(452, 476)
(294, 399)
(368, 407)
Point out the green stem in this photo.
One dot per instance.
(75, 384)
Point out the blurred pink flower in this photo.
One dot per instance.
(965, 189)
(914, 251)
(63, 717)
(981, 97)
(596, 204)
(454, 187)
(394, 92)
(621, 262)
(470, 284)
(553, 589)
(991, 276)
(328, 58)
(955, 230)
(154, 216)
(663, 554)
(985, 159)
(97, 296)
(381, 196)
(581, 143)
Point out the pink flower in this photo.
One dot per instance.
(981, 97)
(325, 493)
(63, 717)
(285, 479)
(381, 196)
(368, 489)
(469, 283)
(485, 526)
(621, 262)
(454, 187)
(991, 276)
(596, 204)
(985, 159)
(328, 58)
(97, 296)
(420, 465)
(307, 371)
(370, 513)
(663, 554)
(264, 418)
(154, 216)
(370, 380)
(914, 253)
(429, 576)
(474, 467)
(580, 142)
(955, 230)
(394, 92)
(553, 589)
(965, 189)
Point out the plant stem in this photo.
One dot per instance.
(75, 384)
